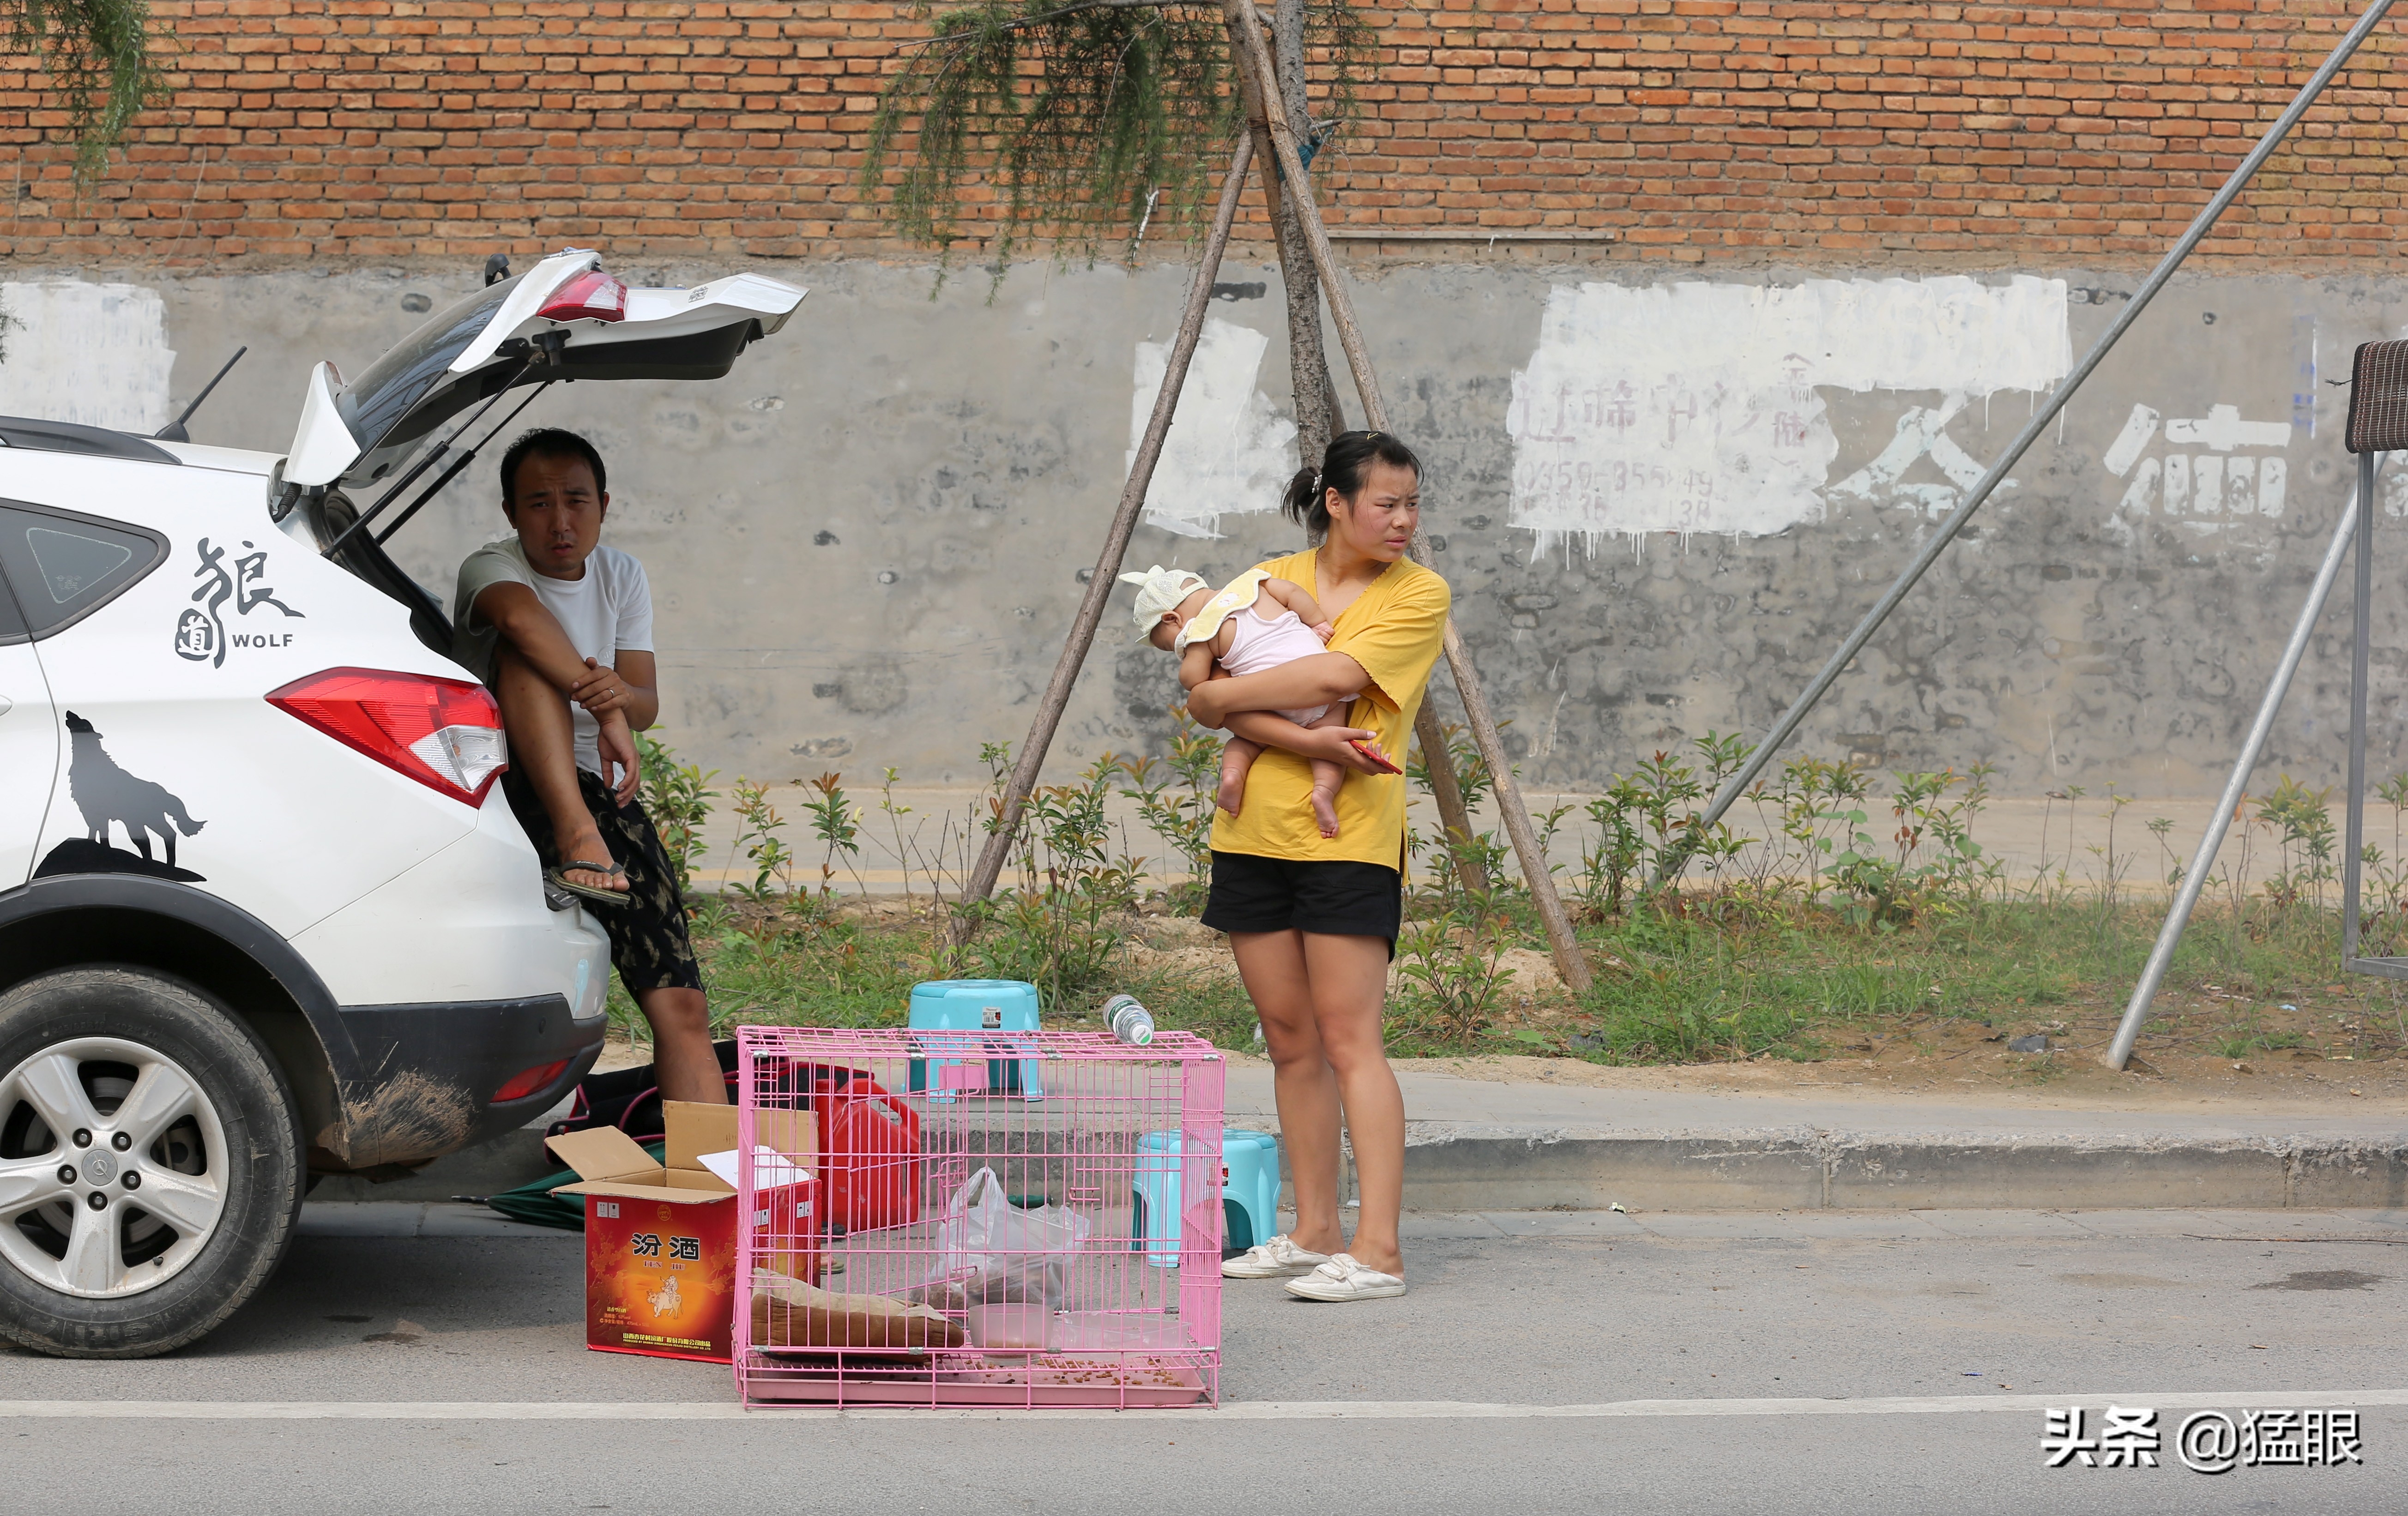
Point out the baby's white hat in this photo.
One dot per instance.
(1160, 588)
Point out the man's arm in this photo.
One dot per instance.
(632, 688)
(513, 610)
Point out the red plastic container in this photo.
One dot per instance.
(870, 1166)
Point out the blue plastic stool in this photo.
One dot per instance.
(979, 1010)
(1249, 1187)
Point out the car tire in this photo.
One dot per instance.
(169, 1102)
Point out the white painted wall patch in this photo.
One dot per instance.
(1694, 406)
(95, 355)
(1228, 450)
(2140, 430)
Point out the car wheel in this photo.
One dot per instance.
(150, 1163)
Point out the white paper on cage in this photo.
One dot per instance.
(771, 1168)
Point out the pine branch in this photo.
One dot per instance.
(1079, 113)
(98, 56)
(1043, 18)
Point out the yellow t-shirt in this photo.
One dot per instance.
(1396, 630)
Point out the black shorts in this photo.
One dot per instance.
(1335, 898)
(649, 944)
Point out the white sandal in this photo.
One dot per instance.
(1343, 1279)
(1278, 1259)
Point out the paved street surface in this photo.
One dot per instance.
(1545, 1362)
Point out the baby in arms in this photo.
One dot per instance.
(1254, 624)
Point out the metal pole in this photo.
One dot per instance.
(2361, 617)
(2235, 788)
(1737, 784)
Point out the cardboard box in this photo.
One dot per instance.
(660, 1237)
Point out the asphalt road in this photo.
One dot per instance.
(1776, 1363)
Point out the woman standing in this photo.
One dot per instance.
(1313, 920)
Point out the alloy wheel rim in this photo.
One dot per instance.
(113, 1167)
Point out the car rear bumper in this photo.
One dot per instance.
(429, 1073)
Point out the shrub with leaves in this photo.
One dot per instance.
(1087, 116)
(98, 53)
(678, 797)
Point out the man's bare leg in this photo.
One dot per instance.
(543, 749)
(683, 1064)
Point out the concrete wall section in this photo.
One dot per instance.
(1661, 503)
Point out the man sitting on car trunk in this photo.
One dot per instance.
(561, 627)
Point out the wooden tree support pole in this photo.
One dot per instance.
(1454, 817)
(1246, 35)
(1107, 564)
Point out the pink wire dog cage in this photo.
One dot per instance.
(999, 1219)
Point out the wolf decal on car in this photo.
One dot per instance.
(107, 795)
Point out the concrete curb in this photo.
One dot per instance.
(1463, 1168)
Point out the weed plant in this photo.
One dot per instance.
(1858, 908)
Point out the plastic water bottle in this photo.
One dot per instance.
(1130, 1022)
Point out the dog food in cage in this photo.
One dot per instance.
(998, 1266)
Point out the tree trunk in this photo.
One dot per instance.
(1309, 370)
(1107, 564)
(1569, 962)
(1319, 414)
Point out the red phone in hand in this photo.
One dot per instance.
(1359, 745)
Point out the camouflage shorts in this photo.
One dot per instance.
(649, 944)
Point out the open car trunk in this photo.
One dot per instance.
(565, 318)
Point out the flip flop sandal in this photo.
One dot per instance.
(557, 878)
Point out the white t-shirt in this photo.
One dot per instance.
(607, 612)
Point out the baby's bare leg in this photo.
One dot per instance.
(1327, 776)
(1236, 760)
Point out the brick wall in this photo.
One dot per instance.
(1698, 130)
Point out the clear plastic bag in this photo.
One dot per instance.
(992, 1252)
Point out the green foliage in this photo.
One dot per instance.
(1087, 116)
(678, 797)
(836, 821)
(98, 56)
(761, 835)
(1452, 973)
(1060, 925)
(1176, 799)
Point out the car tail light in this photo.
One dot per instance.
(528, 1082)
(445, 733)
(592, 295)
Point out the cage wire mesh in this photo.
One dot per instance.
(946, 1218)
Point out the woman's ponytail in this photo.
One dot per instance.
(1343, 466)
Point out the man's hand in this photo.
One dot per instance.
(600, 690)
(616, 743)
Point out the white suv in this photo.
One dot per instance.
(263, 911)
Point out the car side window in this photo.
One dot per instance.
(64, 567)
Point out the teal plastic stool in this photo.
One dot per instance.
(1249, 1187)
(980, 1011)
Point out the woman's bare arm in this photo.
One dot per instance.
(1303, 682)
(1335, 743)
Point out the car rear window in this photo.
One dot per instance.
(64, 567)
